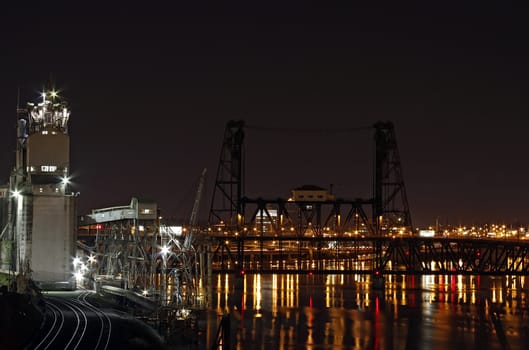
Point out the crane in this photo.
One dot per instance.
(194, 213)
(181, 256)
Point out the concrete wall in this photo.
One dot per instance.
(24, 230)
(53, 237)
(50, 149)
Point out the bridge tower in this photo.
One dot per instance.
(390, 204)
(390, 215)
(42, 219)
(226, 204)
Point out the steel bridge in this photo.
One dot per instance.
(345, 255)
(328, 235)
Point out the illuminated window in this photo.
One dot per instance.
(40, 189)
(146, 211)
(44, 132)
(48, 168)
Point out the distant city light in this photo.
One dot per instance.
(426, 233)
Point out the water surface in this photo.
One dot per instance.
(343, 312)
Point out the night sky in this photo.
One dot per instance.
(152, 86)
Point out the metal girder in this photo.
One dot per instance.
(411, 255)
(390, 206)
(278, 217)
(124, 254)
(222, 254)
(229, 184)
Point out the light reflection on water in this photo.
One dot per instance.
(343, 312)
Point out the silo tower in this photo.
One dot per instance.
(43, 213)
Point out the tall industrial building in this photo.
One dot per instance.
(38, 209)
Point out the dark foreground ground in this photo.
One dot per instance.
(26, 321)
(20, 318)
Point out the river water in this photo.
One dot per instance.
(343, 312)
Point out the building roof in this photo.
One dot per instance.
(310, 188)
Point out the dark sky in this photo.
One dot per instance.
(152, 86)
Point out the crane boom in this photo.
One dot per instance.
(194, 213)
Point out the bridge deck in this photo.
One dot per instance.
(364, 255)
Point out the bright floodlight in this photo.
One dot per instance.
(165, 249)
(76, 261)
(65, 180)
(91, 259)
(15, 193)
(78, 276)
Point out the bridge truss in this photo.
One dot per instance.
(240, 220)
(136, 253)
(346, 255)
(457, 255)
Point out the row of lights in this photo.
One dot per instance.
(80, 268)
(65, 180)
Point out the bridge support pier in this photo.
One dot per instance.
(377, 283)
